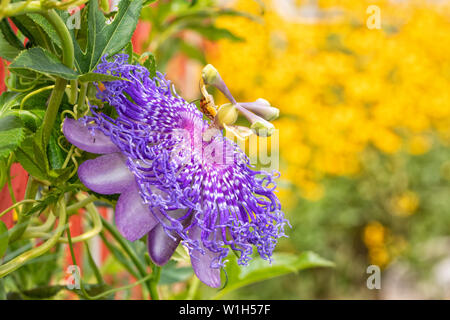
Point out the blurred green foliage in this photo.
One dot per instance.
(336, 227)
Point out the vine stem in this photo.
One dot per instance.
(73, 91)
(8, 180)
(46, 226)
(68, 157)
(60, 84)
(51, 112)
(22, 7)
(105, 293)
(16, 205)
(17, 262)
(156, 272)
(127, 248)
(193, 288)
(22, 223)
(28, 96)
(95, 230)
(97, 272)
(82, 202)
(82, 98)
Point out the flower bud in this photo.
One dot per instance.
(226, 115)
(262, 108)
(263, 128)
(260, 126)
(211, 76)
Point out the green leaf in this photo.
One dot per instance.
(41, 61)
(33, 110)
(11, 134)
(7, 51)
(147, 2)
(129, 51)
(36, 104)
(25, 154)
(193, 52)
(106, 38)
(38, 150)
(166, 51)
(8, 46)
(212, 32)
(95, 289)
(55, 154)
(59, 176)
(10, 35)
(3, 239)
(48, 200)
(47, 27)
(31, 119)
(259, 269)
(38, 208)
(8, 100)
(206, 13)
(98, 77)
(31, 30)
(44, 292)
(149, 63)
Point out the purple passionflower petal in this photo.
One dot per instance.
(203, 262)
(201, 191)
(87, 138)
(133, 217)
(107, 174)
(162, 242)
(161, 245)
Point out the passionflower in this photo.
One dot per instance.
(174, 184)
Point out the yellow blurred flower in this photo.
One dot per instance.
(376, 239)
(374, 234)
(419, 144)
(379, 256)
(312, 190)
(385, 140)
(339, 85)
(406, 203)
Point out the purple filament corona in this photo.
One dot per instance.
(162, 137)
